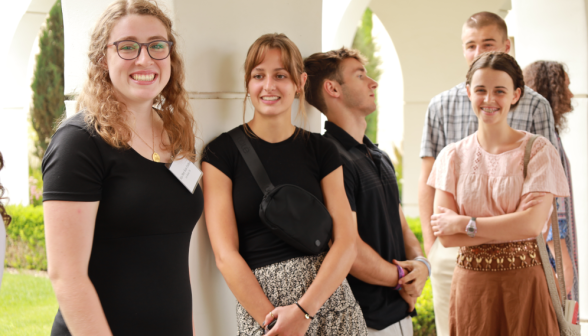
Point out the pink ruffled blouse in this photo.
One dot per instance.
(485, 185)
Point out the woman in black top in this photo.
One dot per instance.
(118, 222)
(282, 275)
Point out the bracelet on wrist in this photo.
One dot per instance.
(400, 276)
(306, 315)
(424, 261)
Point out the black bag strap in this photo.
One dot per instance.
(251, 159)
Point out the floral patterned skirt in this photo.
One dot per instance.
(285, 282)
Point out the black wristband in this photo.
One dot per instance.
(306, 315)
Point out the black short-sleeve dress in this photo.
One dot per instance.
(139, 258)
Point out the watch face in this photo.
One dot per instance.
(471, 229)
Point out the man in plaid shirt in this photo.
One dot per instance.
(449, 119)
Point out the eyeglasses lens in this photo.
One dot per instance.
(158, 49)
(130, 50)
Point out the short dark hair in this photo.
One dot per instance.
(322, 66)
(500, 61)
(484, 19)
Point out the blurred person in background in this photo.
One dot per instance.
(551, 80)
(4, 221)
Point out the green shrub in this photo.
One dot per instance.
(424, 323)
(25, 246)
(35, 186)
(415, 226)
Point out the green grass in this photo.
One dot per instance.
(27, 305)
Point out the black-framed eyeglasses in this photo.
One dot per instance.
(129, 50)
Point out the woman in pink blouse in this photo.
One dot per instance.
(499, 287)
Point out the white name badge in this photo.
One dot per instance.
(186, 172)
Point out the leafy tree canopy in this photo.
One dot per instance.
(364, 42)
(48, 101)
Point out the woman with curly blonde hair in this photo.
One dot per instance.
(551, 80)
(118, 222)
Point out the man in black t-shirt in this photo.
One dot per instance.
(340, 88)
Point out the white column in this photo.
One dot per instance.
(566, 40)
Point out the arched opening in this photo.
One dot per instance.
(340, 22)
(390, 93)
(22, 21)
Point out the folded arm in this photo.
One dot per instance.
(450, 227)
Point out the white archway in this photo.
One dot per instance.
(22, 21)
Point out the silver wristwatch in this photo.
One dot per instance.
(471, 228)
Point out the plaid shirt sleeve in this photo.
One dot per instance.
(543, 122)
(433, 140)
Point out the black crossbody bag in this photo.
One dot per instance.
(290, 212)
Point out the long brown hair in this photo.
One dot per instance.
(5, 217)
(500, 61)
(97, 98)
(291, 60)
(548, 79)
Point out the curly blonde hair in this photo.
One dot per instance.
(291, 60)
(548, 79)
(104, 113)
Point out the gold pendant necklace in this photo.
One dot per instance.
(154, 156)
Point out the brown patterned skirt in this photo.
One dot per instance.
(500, 289)
(285, 282)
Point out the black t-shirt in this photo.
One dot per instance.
(370, 184)
(139, 258)
(302, 160)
